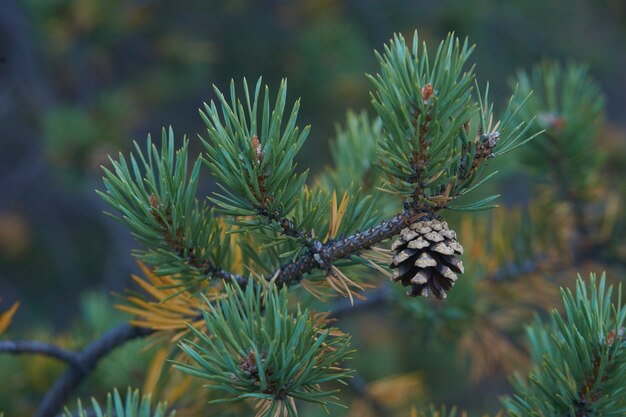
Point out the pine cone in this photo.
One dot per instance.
(425, 258)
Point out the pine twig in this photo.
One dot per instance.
(324, 255)
(175, 244)
(288, 227)
(82, 363)
(287, 274)
(66, 384)
(18, 347)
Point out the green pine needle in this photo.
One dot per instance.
(154, 193)
(567, 112)
(133, 405)
(579, 360)
(254, 347)
(251, 147)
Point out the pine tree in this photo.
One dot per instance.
(227, 278)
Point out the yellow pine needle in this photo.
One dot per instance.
(154, 371)
(337, 279)
(495, 127)
(263, 406)
(336, 214)
(386, 190)
(164, 313)
(322, 320)
(435, 176)
(379, 268)
(316, 289)
(292, 401)
(378, 254)
(381, 251)
(398, 389)
(258, 277)
(333, 281)
(151, 288)
(146, 307)
(7, 317)
(183, 304)
(440, 199)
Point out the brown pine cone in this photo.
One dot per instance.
(425, 258)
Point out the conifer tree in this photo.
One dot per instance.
(227, 276)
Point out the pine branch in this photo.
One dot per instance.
(133, 404)
(82, 363)
(288, 274)
(176, 246)
(251, 153)
(18, 347)
(322, 256)
(578, 358)
(58, 395)
(287, 226)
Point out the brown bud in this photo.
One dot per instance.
(256, 144)
(427, 92)
(154, 202)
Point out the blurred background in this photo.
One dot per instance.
(81, 79)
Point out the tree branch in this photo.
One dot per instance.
(287, 226)
(65, 385)
(324, 255)
(17, 347)
(82, 363)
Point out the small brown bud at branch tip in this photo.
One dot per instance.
(427, 92)
(256, 144)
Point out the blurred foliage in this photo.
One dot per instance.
(568, 107)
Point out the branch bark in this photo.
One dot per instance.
(335, 249)
(322, 255)
(17, 347)
(87, 360)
